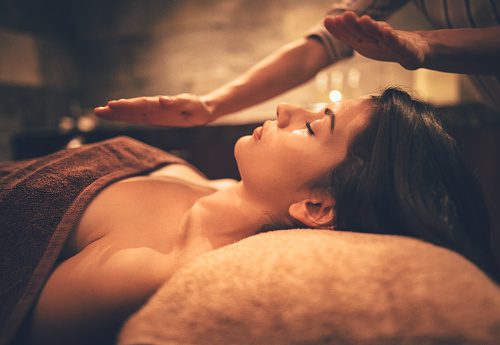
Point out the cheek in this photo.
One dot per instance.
(262, 164)
(274, 161)
(313, 162)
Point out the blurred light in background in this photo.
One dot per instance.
(353, 78)
(336, 79)
(321, 81)
(66, 124)
(87, 122)
(74, 143)
(439, 88)
(335, 96)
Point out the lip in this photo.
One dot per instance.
(257, 133)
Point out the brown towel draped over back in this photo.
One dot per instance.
(42, 199)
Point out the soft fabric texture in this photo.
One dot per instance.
(41, 200)
(322, 287)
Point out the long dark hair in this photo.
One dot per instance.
(404, 175)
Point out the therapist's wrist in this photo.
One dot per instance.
(428, 49)
(211, 105)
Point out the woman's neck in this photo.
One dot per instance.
(227, 216)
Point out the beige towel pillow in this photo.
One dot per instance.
(322, 287)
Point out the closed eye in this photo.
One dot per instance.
(309, 128)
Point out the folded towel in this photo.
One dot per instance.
(41, 200)
(322, 287)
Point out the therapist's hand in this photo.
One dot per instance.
(378, 40)
(184, 110)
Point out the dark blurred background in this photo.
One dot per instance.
(61, 58)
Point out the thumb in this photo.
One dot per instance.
(166, 101)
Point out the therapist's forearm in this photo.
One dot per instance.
(471, 51)
(290, 66)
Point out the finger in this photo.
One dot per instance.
(353, 27)
(130, 101)
(336, 26)
(119, 104)
(102, 111)
(107, 114)
(147, 118)
(133, 106)
(165, 101)
(370, 27)
(124, 104)
(134, 99)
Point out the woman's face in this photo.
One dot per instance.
(284, 156)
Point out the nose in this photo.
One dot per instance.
(293, 117)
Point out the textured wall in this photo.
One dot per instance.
(60, 57)
(131, 48)
(162, 47)
(38, 77)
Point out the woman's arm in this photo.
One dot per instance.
(90, 295)
(288, 67)
(472, 51)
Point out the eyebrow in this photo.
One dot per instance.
(330, 112)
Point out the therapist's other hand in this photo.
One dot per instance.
(184, 110)
(378, 40)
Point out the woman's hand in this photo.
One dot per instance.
(184, 110)
(378, 40)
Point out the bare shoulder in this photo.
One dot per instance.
(89, 295)
(181, 171)
(188, 174)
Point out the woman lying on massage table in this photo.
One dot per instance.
(381, 164)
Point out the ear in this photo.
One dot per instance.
(316, 212)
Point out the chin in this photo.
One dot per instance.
(243, 154)
(241, 146)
